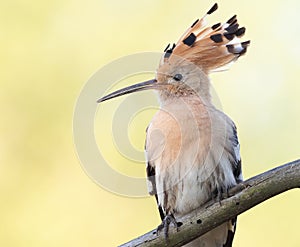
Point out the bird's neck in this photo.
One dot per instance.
(199, 94)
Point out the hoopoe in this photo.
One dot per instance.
(192, 148)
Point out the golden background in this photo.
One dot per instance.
(49, 49)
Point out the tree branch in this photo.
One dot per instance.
(241, 198)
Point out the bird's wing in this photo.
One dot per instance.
(235, 156)
(150, 171)
(152, 187)
(236, 163)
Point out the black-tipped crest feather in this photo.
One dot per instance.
(190, 39)
(212, 9)
(194, 23)
(217, 25)
(210, 48)
(231, 20)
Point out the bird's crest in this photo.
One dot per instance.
(209, 47)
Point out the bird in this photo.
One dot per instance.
(192, 148)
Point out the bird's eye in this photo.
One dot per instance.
(177, 77)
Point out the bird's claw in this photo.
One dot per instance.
(220, 194)
(169, 219)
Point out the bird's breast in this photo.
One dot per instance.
(186, 144)
(178, 143)
(175, 129)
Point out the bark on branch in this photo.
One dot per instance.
(241, 198)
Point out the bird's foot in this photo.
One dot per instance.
(165, 224)
(220, 194)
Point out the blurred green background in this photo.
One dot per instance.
(48, 51)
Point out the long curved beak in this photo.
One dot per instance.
(151, 84)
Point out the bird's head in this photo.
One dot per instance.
(185, 66)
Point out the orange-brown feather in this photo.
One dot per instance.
(210, 47)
